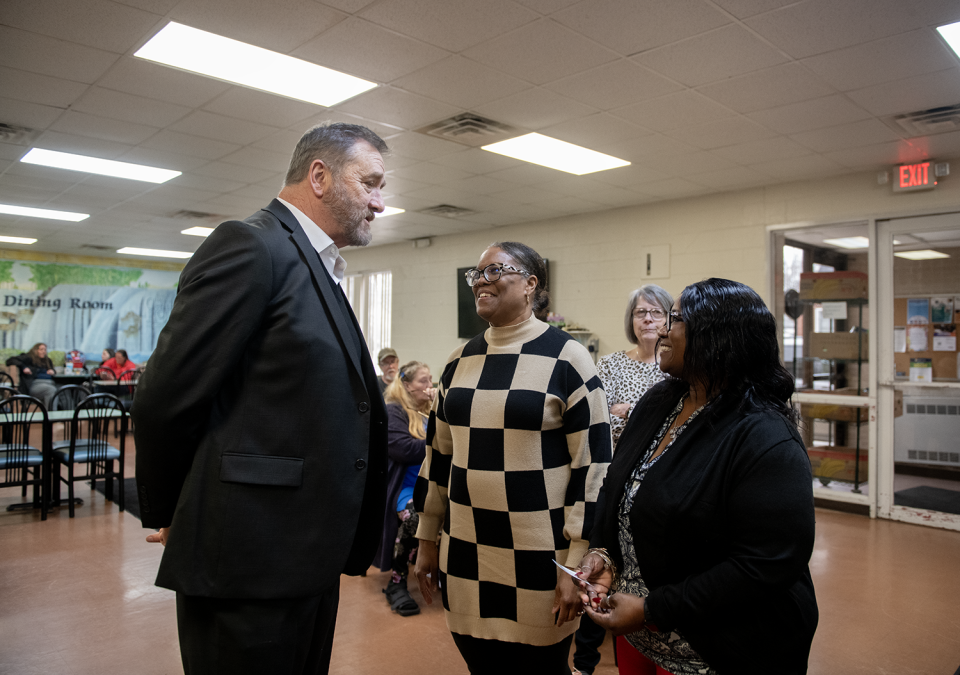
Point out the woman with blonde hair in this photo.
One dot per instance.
(409, 398)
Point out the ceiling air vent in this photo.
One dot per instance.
(469, 129)
(184, 214)
(99, 248)
(446, 211)
(926, 122)
(11, 133)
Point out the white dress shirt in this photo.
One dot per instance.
(329, 253)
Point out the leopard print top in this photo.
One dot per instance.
(625, 381)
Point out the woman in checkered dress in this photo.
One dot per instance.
(517, 447)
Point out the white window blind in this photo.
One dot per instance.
(371, 296)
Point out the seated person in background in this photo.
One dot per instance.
(389, 363)
(33, 371)
(119, 364)
(106, 355)
(409, 398)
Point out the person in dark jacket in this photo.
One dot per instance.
(35, 370)
(706, 522)
(408, 397)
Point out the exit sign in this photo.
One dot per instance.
(910, 177)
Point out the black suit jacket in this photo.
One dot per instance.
(272, 477)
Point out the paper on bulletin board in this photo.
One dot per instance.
(917, 339)
(899, 339)
(945, 338)
(941, 310)
(921, 370)
(918, 311)
(834, 310)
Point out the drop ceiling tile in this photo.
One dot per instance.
(421, 146)
(817, 26)
(171, 198)
(684, 165)
(399, 108)
(160, 7)
(278, 25)
(129, 108)
(29, 115)
(944, 145)
(631, 178)
(426, 172)
(399, 185)
(481, 185)
(673, 188)
(348, 6)
(632, 27)
(81, 145)
(769, 88)
(854, 134)
(12, 152)
(534, 109)
(905, 55)
(35, 88)
(527, 195)
(747, 8)
(571, 205)
(460, 82)
(547, 6)
(646, 150)
(194, 146)
(682, 109)
(733, 178)
(798, 168)
(525, 174)
(454, 25)
(258, 158)
(594, 131)
(728, 131)
(911, 94)
(47, 178)
(259, 106)
(207, 183)
(615, 197)
(879, 156)
(732, 50)
(280, 143)
(366, 50)
(614, 85)
(82, 124)
(161, 159)
(94, 23)
(153, 81)
(221, 128)
(531, 52)
(235, 172)
(817, 113)
(49, 56)
(477, 160)
(762, 151)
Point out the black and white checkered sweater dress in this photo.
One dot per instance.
(517, 448)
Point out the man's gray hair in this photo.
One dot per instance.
(331, 142)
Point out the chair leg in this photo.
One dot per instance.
(70, 489)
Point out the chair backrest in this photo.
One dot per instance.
(102, 373)
(5, 379)
(91, 423)
(8, 391)
(68, 397)
(19, 415)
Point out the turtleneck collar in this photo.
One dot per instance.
(524, 331)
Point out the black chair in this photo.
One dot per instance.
(21, 462)
(8, 391)
(89, 444)
(6, 380)
(68, 397)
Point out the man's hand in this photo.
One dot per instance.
(428, 569)
(159, 537)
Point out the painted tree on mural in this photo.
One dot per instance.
(6, 271)
(46, 276)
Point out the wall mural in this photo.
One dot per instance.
(84, 307)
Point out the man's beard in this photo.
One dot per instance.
(353, 221)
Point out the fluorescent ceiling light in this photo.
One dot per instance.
(849, 242)
(926, 254)
(154, 252)
(43, 213)
(104, 167)
(198, 231)
(951, 33)
(216, 56)
(555, 154)
(390, 211)
(17, 240)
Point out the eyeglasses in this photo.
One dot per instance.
(491, 273)
(655, 314)
(672, 318)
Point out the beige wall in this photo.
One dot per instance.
(593, 257)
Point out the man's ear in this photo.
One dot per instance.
(319, 177)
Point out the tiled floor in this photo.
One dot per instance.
(77, 597)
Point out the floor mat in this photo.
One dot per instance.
(932, 498)
(131, 504)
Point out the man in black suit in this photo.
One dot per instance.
(261, 434)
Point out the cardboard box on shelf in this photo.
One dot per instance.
(838, 346)
(837, 462)
(833, 286)
(844, 413)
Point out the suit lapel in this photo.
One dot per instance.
(321, 282)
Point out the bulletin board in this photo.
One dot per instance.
(944, 360)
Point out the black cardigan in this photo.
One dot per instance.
(723, 527)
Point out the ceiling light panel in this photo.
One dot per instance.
(198, 231)
(390, 211)
(951, 34)
(103, 167)
(42, 213)
(555, 154)
(220, 57)
(17, 240)
(927, 254)
(155, 253)
(849, 242)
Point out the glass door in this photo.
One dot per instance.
(918, 265)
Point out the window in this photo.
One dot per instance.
(370, 294)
